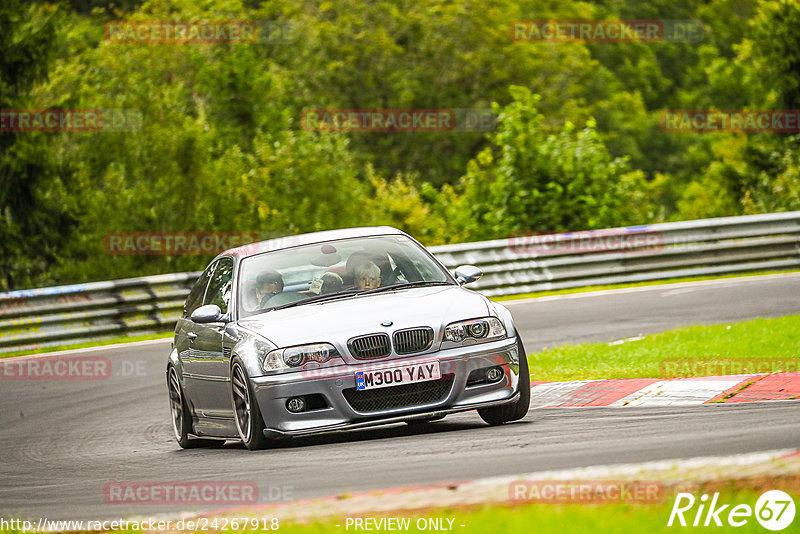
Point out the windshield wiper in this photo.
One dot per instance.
(318, 298)
(404, 285)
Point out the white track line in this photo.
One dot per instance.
(697, 284)
(99, 348)
(679, 392)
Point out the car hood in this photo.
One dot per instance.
(338, 320)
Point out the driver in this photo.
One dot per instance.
(367, 276)
(268, 284)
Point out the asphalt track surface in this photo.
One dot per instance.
(61, 442)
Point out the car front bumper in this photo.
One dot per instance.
(336, 384)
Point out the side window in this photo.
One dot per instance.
(219, 290)
(195, 298)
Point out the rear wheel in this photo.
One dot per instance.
(249, 422)
(497, 415)
(182, 417)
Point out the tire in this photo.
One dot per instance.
(249, 421)
(182, 417)
(497, 415)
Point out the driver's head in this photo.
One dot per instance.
(367, 276)
(268, 283)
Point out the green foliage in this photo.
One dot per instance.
(753, 173)
(777, 186)
(219, 144)
(399, 203)
(777, 48)
(32, 219)
(538, 178)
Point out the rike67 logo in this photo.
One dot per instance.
(774, 510)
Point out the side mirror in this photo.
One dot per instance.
(210, 313)
(466, 274)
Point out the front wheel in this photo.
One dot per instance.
(497, 415)
(249, 422)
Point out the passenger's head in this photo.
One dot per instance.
(268, 283)
(367, 276)
(331, 283)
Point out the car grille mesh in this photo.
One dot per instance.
(371, 346)
(413, 340)
(395, 397)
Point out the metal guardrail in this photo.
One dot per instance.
(37, 318)
(44, 317)
(703, 247)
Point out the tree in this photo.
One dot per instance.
(537, 179)
(33, 222)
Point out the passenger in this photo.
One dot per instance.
(367, 276)
(378, 258)
(268, 284)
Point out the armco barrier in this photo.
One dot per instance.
(35, 318)
(56, 315)
(668, 250)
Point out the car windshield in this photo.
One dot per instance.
(335, 269)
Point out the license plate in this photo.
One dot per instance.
(398, 375)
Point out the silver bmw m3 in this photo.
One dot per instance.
(338, 330)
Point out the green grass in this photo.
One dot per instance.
(587, 289)
(111, 341)
(757, 340)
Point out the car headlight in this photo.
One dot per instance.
(295, 357)
(484, 329)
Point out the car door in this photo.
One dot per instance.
(210, 365)
(185, 334)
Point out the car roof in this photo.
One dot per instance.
(281, 243)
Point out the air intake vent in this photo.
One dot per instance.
(413, 340)
(226, 351)
(397, 397)
(370, 347)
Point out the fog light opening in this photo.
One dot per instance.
(296, 404)
(494, 374)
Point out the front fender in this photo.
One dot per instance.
(250, 348)
(175, 362)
